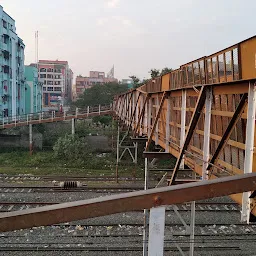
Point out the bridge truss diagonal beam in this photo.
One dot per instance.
(156, 121)
(194, 120)
(236, 116)
(84, 209)
(141, 114)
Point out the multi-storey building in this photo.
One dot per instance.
(57, 83)
(12, 83)
(96, 77)
(33, 90)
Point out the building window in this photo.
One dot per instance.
(50, 89)
(5, 38)
(49, 70)
(42, 75)
(49, 76)
(57, 89)
(42, 70)
(44, 89)
(57, 70)
(50, 82)
(4, 24)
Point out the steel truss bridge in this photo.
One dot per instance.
(203, 114)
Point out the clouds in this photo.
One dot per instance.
(112, 3)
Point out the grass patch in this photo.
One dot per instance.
(44, 163)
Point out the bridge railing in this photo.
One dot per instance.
(54, 115)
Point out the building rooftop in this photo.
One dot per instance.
(54, 61)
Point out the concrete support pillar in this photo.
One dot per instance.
(183, 123)
(30, 139)
(146, 214)
(73, 125)
(207, 130)
(192, 224)
(249, 148)
(156, 231)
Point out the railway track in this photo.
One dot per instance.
(212, 207)
(55, 189)
(46, 178)
(109, 248)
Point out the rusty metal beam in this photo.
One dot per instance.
(84, 209)
(224, 140)
(127, 108)
(192, 125)
(160, 155)
(134, 112)
(141, 114)
(155, 121)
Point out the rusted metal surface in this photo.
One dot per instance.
(191, 127)
(102, 206)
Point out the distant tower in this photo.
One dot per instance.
(111, 73)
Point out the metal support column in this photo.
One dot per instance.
(207, 130)
(183, 123)
(157, 126)
(146, 214)
(30, 139)
(73, 125)
(249, 148)
(167, 131)
(117, 151)
(192, 224)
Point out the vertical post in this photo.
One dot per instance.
(141, 107)
(88, 110)
(167, 131)
(117, 151)
(76, 112)
(183, 123)
(146, 213)
(52, 115)
(15, 121)
(135, 158)
(249, 148)
(99, 109)
(156, 232)
(149, 116)
(30, 140)
(27, 119)
(207, 130)
(192, 224)
(157, 126)
(64, 114)
(73, 126)
(40, 117)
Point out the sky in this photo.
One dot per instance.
(134, 35)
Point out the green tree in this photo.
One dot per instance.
(136, 81)
(100, 94)
(165, 71)
(154, 73)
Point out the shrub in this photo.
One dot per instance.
(71, 147)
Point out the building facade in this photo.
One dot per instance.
(128, 82)
(95, 77)
(33, 90)
(12, 82)
(57, 80)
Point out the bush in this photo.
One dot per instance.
(71, 147)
